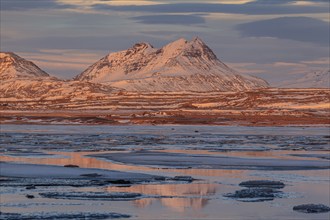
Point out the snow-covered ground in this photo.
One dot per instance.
(81, 101)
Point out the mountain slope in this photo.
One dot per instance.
(315, 79)
(179, 66)
(45, 89)
(14, 66)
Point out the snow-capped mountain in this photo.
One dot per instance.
(314, 79)
(179, 66)
(14, 66)
(23, 80)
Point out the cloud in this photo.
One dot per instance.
(109, 2)
(281, 2)
(254, 8)
(286, 64)
(246, 68)
(101, 43)
(20, 5)
(170, 19)
(62, 63)
(303, 29)
(325, 61)
(129, 2)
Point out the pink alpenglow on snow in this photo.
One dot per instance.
(179, 66)
(14, 66)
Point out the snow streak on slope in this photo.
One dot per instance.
(315, 79)
(14, 66)
(179, 66)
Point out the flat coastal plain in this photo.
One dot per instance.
(267, 107)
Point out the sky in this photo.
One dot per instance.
(273, 39)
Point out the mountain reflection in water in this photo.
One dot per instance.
(178, 197)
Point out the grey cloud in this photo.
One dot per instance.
(262, 50)
(282, 2)
(18, 5)
(303, 29)
(231, 48)
(102, 43)
(170, 19)
(248, 8)
(173, 34)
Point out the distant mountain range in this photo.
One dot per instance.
(313, 79)
(181, 66)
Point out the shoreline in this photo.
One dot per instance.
(76, 117)
(33, 170)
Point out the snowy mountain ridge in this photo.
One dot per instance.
(179, 66)
(23, 80)
(312, 79)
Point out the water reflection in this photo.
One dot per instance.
(177, 204)
(275, 154)
(81, 159)
(193, 189)
(178, 197)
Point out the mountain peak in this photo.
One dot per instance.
(14, 66)
(8, 57)
(194, 48)
(174, 48)
(181, 65)
(142, 46)
(197, 47)
(198, 40)
(179, 42)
